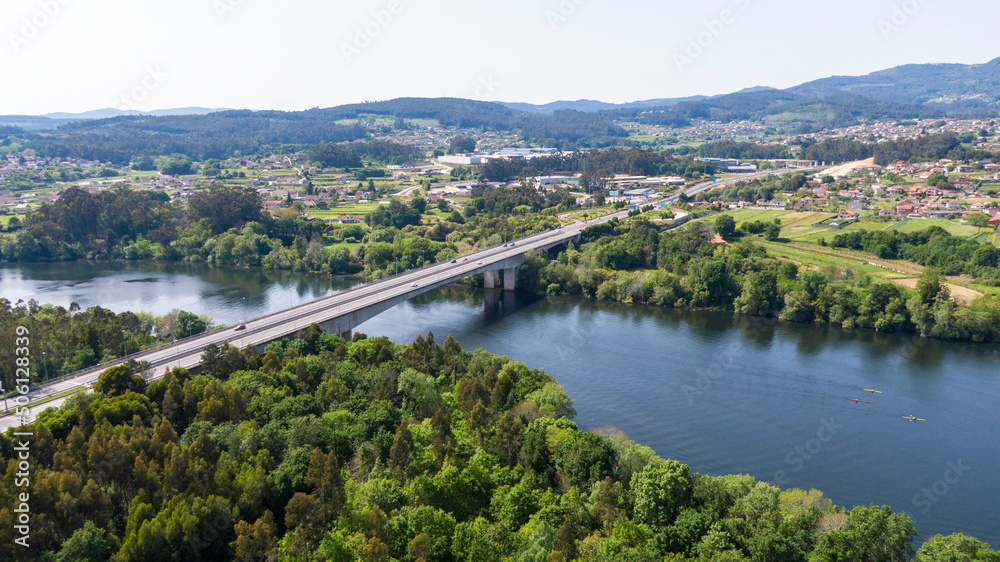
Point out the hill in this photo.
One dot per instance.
(949, 86)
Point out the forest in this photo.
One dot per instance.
(72, 339)
(633, 262)
(322, 449)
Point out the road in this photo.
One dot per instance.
(187, 354)
(709, 186)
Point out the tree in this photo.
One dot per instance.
(462, 144)
(659, 491)
(257, 542)
(980, 220)
(956, 548)
(725, 226)
(870, 534)
(88, 544)
(931, 286)
(119, 380)
(226, 207)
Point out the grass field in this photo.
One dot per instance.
(4, 219)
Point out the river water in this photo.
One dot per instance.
(725, 395)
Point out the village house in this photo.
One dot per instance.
(351, 219)
(856, 206)
(887, 213)
(847, 216)
(906, 207)
(995, 221)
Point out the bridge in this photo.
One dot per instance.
(340, 313)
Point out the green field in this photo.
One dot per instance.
(958, 229)
(4, 219)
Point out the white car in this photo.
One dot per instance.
(414, 284)
(479, 262)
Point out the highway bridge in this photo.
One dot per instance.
(338, 314)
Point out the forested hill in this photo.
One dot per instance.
(327, 450)
(226, 133)
(969, 87)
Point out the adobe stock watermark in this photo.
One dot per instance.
(900, 16)
(486, 89)
(704, 39)
(154, 78)
(366, 34)
(797, 458)
(926, 498)
(225, 7)
(561, 14)
(30, 26)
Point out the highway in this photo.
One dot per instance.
(709, 186)
(187, 353)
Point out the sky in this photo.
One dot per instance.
(74, 56)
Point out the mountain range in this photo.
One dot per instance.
(909, 91)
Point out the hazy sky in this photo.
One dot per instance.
(71, 55)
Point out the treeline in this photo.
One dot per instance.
(221, 225)
(219, 135)
(68, 340)
(934, 247)
(744, 150)
(323, 449)
(597, 166)
(351, 155)
(634, 262)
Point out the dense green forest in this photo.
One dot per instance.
(634, 262)
(73, 339)
(327, 450)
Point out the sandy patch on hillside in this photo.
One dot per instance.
(958, 293)
(845, 169)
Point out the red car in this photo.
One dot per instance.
(240, 327)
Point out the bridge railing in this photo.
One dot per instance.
(114, 362)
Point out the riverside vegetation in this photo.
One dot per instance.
(333, 450)
(633, 262)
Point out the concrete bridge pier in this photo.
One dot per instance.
(510, 279)
(490, 279)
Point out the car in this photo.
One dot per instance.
(414, 284)
(480, 262)
(454, 261)
(512, 244)
(505, 245)
(240, 327)
(466, 259)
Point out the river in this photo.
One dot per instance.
(725, 395)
